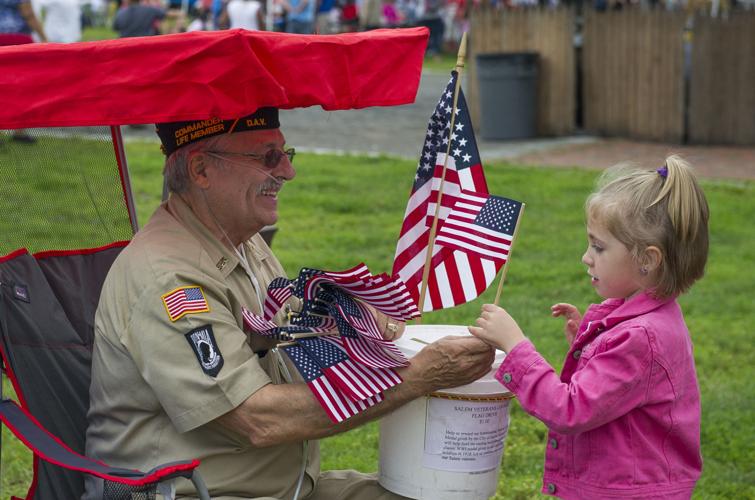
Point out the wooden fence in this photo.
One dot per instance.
(633, 73)
(722, 82)
(641, 73)
(547, 32)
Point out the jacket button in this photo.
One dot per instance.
(551, 488)
(507, 378)
(553, 443)
(576, 354)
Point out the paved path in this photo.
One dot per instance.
(400, 130)
(397, 130)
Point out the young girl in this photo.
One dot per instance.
(624, 416)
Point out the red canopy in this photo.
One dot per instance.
(198, 75)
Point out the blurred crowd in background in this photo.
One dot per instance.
(63, 20)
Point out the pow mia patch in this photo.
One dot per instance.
(202, 342)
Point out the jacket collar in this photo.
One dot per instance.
(611, 312)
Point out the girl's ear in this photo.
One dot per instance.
(652, 258)
(197, 170)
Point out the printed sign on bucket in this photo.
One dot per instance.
(465, 436)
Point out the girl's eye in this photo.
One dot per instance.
(597, 248)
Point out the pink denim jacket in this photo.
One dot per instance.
(624, 416)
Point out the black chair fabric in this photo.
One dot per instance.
(47, 309)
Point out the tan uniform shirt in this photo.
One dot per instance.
(155, 392)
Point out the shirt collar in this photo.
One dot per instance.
(224, 259)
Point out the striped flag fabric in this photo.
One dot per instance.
(278, 292)
(446, 285)
(185, 300)
(299, 324)
(337, 406)
(358, 316)
(357, 381)
(258, 324)
(388, 295)
(481, 224)
(367, 351)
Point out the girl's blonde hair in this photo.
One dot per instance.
(665, 208)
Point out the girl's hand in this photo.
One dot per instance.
(572, 316)
(497, 328)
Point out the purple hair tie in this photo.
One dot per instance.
(663, 171)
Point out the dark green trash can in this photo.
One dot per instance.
(508, 94)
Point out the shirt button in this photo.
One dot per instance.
(553, 443)
(576, 354)
(506, 378)
(551, 488)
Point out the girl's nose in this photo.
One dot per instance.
(586, 259)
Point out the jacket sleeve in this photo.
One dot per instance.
(605, 386)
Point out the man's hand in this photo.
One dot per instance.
(449, 362)
(572, 316)
(391, 328)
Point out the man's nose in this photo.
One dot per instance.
(285, 169)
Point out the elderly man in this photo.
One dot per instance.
(174, 376)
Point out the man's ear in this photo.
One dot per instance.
(197, 170)
(652, 258)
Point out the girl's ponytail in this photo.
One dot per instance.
(685, 202)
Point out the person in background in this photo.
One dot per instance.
(390, 15)
(349, 16)
(138, 18)
(202, 18)
(17, 23)
(430, 15)
(370, 14)
(244, 14)
(624, 414)
(300, 16)
(61, 19)
(324, 17)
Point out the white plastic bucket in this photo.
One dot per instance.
(449, 445)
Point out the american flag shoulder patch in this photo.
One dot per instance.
(185, 300)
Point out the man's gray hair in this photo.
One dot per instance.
(176, 169)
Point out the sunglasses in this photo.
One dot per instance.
(270, 159)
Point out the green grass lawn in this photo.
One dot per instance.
(344, 210)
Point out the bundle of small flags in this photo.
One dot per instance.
(348, 371)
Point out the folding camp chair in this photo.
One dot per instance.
(47, 305)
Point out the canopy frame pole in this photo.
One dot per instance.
(120, 158)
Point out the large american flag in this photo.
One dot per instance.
(338, 406)
(456, 276)
(481, 224)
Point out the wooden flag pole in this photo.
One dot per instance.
(460, 56)
(508, 259)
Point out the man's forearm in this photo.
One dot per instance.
(278, 414)
(285, 413)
